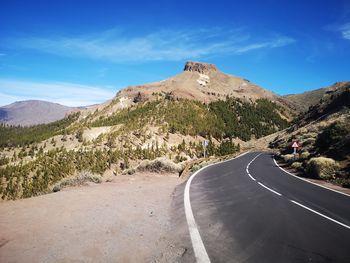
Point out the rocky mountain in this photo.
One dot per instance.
(168, 119)
(31, 112)
(202, 82)
(323, 133)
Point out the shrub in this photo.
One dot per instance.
(80, 179)
(95, 178)
(309, 141)
(297, 165)
(160, 165)
(56, 188)
(198, 166)
(322, 167)
(304, 155)
(310, 135)
(288, 158)
(335, 136)
(195, 168)
(130, 171)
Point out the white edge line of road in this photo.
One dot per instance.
(299, 204)
(251, 177)
(268, 188)
(311, 210)
(197, 242)
(308, 180)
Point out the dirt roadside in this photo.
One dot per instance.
(126, 220)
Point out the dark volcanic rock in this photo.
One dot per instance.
(140, 97)
(200, 67)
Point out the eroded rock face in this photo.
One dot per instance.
(203, 68)
(140, 97)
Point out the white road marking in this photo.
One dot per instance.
(273, 191)
(318, 213)
(308, 180)
(253, 160)
(295, 202)
(197, 242)
(251, 177)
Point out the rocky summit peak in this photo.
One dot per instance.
(199, 67)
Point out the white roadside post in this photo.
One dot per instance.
(205, 144)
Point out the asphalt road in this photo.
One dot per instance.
(251, 211)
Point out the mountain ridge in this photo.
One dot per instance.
(33, 112)
(199, 81)
(310, 98)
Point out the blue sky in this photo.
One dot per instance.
(83, 52)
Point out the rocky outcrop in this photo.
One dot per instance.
(140, 97)
(200, 67)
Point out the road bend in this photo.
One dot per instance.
(249, 210)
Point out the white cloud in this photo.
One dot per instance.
(64, 93)
(169, 45)
(345, 31)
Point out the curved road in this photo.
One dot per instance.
(249, 210)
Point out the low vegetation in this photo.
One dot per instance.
(17, 136)
(325, 142)
(80, 179)
(231, 118)
(160, 165)
(30, 168)
(322, 167)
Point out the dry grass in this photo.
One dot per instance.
(160, 165)
(80, 179)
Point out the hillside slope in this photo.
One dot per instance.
(323, 133)
(32, 112)
(202, 82)
(169, 119)
(310, 98)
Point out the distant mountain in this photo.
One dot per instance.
(31, 112)
(304, 100)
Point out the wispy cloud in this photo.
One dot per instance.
(345, 31)
(168, 45)
(64, 93)
(277, 42)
